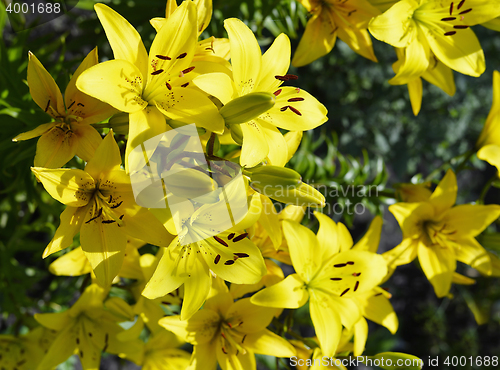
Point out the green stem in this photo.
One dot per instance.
(210, 145)
(467, 155)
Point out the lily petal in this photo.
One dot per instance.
(254, 318)
(470, 220)
(106, 158)
(198, 330)
(55, 148)
(104, 246)
(306, 111)
(246, 57)
(173, 47)
(396, 26)
(445, 194)
(326, 322)
(255, 147)
(360, 336)
(289, 293)
(179, 104)
(301, 243)
(69, 186)
(491, 154)
(370, 241)
(277, 61)
(265, 342)
(438, 264)
(461, 52)
(318, 39)
(88, 139)
(43, 88)
(116, 82)
(123, 38)
(73, 263)
(71, 221)
(40, 130)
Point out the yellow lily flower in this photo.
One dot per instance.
(207, 242)
(329, 275)
(440, 27)
(101, 206)
(441, 234)
(229, 333)
(70, 133)
(331, 18)
(488, 142)
(294, 109)
(87, 328)
(150, 87)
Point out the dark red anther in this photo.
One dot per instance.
(185, 85)
(335, 279)
(71, 104)
(224, 350)
(240, 237)
(292, 77)
(217, 259)
(243, 339)
(345, 291)
(451, 8)
(350, 263)
(295, 99)
(460, 4)
(80, 105)
(451, 33)
(183, 55)
(356, 286)
(47, 107)
(168, 86)
(163, 57)
(282, 78)
(230, 236)
(116, 205)
(465, 11)
(448, 19)
(220, 241)
(460, 27)
(294, 110)
(187, 70)
(241, 255)
(282, 109)
(356, 274)
(277, 92)
(340, 265)
(156, 72)
(229, 262)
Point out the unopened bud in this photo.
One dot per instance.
(274, 175)
(119, 123)
(247, 107)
